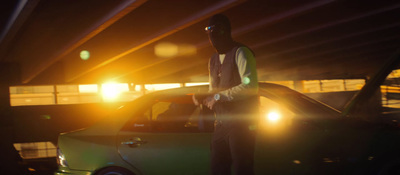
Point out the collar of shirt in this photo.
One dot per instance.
(221, 58)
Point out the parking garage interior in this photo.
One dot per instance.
(66, 64)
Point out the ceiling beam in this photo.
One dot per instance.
(327, 25)
(117, 13)
(21, 13)
(345, 36)
(184, 23)
(280, 17)
(325, 53)
(237, 32)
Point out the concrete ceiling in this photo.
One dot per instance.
(292, 40)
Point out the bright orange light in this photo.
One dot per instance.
(273, 116)
(196, 84)
(111, 91)
(88, 88)
(156, 87)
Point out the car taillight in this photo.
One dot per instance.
(61, 158)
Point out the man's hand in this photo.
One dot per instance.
(209, 102)
(195, 101)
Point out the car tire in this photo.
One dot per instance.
(114, 171)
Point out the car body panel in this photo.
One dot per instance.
(89, 151)
(186, 153)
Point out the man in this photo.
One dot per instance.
(234, 86)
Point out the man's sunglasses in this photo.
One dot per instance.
(210, 29)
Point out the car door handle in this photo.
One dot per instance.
(135, 142)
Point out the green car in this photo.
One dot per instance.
(164, 133)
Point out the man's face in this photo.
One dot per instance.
(216, 35)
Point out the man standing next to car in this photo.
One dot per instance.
(234, 88)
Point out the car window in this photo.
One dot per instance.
(390, 99)
(139, 122)
(175, 117)
(390, 90)
(277, 118)
(171, 115)
(274, 113)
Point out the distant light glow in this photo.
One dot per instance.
(88, 88)
(85, 55)
(196, 84)
(31, 169)
(111, 91)
(187, 49)
(273, 116)
(156, 87)
(297, 162)
(46, 117)
(138, 88)
(252, 127)
(166, 49)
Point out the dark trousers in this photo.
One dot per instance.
(233, 144)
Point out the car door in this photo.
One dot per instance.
(292, 142)
(167, 137)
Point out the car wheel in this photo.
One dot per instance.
(390, 168)
(114, 171)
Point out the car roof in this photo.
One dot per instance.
(282, 94)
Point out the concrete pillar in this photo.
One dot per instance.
(10, 74)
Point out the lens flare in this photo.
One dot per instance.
(111, 91)
(85, 55)
(246, 80)
(166, 50)
(273, 116)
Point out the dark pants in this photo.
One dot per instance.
(233, 144)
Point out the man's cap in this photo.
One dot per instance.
(220, 19)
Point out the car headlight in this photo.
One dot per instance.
(61, 158)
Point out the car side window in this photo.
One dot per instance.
(390, 99)
(274, 115)
(390, 91)
(277, 118)
(173, 117)
(139, 122)
(169, 116)
(179, 117)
